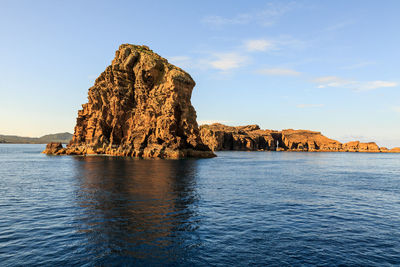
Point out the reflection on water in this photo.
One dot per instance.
(137, 209)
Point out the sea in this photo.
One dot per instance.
(238, 209)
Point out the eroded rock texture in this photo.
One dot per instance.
(54, 148)
(140, 107)
(357, 146)
(304, 140)
(250, 138)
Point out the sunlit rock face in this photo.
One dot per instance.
(395, 150)
(247, 138)
(140, 107)
(251, 138)
(304, 140)
(357, 146)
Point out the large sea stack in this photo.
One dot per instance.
(139, 107)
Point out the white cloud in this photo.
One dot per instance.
(258, 45)
(396, 109)
(180, 61)
(310, 105)
(340, 25)
(227, 61)
(265, 17)
(178, 58)
(372, 85)
(221, 21)
(279, 72)
(358, 65)
(334, 81)
(274, 45)
(331, 81)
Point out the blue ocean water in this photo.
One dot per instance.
(239, 209)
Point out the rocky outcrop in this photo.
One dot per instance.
(395, 150)
(357, 146)
(54, 148)
(139, 107)
(251, 138)
(304, 140)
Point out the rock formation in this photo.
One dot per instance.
(395, 150)
(139, 107)
(357, 146)
(54, 148)
(303, 140)
(251, 138)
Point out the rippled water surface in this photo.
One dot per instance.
(241, 208)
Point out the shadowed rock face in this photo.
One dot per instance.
(140, 107)
(250, 138)
(54, 148)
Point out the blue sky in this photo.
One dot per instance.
(330, 66)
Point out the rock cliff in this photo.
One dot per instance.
(395, 150)
(304, 140)
(139, 107)
(251, 138)
(357, 146)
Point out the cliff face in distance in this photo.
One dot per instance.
(251, 138)
(58, 137)
(139, 107)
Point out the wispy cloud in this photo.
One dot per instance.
(227, 61)
(334, 81)
(279, 72)
(274, 45)
(258, 45)
(221, 21)
(340, 25)
(180, 61)
(372, 85)
(358, 137)
(396, 109)
(358, 65)
(212, 121)
(178, 58)
(310, 105)
(265, 17)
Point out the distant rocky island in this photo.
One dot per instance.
(252, 138)
(140, 107)
(64, 138)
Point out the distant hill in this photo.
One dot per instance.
(58, 137)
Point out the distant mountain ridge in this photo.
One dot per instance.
(58, 137)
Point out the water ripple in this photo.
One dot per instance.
(261, 208)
